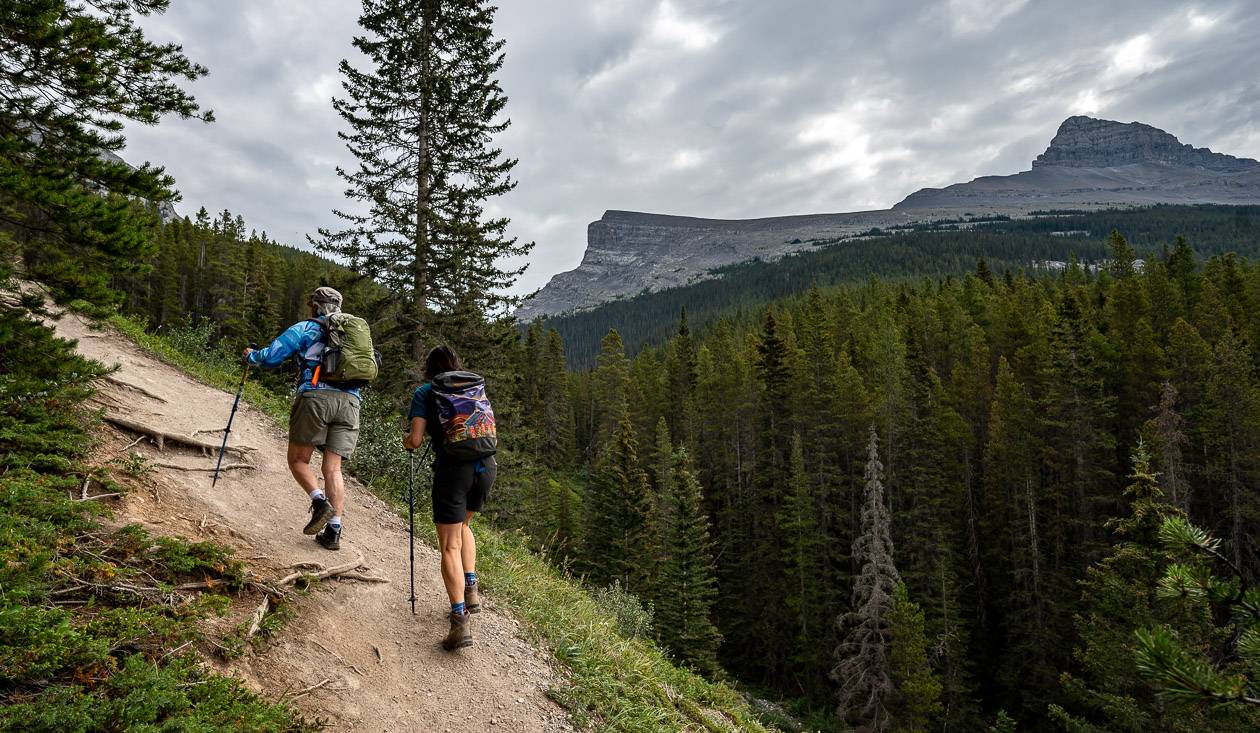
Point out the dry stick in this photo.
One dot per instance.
(311, 689)
(255, 621)
(162, 437)
(83, 491)
(128, 385)
(130, 445)
(99, 496)
(360, 576)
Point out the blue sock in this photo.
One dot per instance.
(470, 579)
(458, 608)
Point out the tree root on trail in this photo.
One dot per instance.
(208, 469)
(135, 387)
(161, 438)
(346, 570)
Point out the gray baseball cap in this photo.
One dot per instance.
(326, 295)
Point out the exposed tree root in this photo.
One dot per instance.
(161, 438)
(208, 469)
(134, 387)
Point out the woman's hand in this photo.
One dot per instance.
(414, 438)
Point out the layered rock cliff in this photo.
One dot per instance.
(1089, 164)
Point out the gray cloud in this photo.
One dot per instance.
(723, 108)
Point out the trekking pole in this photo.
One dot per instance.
(236, 402)
(411, 522)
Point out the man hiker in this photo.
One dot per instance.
(325, 415)
(452, 409)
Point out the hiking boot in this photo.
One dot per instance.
(321, 512)
(460, 634)
(330, 538)
(472, 598)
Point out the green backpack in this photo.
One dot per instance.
(349, 360)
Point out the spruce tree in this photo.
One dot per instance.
(1105, 691)
(619, 512)
(71, 75)
(803, 547)
(864, 666)
(422, 116)
(688, 583)
(918, 704)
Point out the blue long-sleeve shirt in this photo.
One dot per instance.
(304, 338)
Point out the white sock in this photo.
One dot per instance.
(335, 521)
(317, 494)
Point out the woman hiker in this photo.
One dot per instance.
(451, 408)
(323, 416)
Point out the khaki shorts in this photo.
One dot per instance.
(327, 419)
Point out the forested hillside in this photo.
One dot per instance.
(939, 248)
(1034, 432)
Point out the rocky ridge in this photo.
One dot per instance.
(1089, 164)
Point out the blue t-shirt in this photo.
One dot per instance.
(306, 339)
(422, 406)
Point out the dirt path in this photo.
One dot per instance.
(381, 667)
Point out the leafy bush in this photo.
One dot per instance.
(634, 618)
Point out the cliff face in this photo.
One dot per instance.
(1089, 164)
(1085, 142)
(630, 252)
(1093, 163)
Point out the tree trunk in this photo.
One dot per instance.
(423, 193)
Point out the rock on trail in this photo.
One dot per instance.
(352, 653)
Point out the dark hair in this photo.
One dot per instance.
(441, 359)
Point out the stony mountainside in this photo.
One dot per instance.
(1094, 163)
(1089, 164)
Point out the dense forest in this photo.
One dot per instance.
(1028, 428)
(939, 249)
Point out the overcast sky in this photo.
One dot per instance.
(716, 108)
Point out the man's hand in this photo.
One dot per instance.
(248, 350)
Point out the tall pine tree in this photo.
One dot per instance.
(422, 117)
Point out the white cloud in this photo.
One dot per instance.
(1135, 56)
(981, 16)
(672, 28)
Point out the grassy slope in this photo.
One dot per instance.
(615, 683)
(93, 634)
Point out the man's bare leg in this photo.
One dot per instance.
(334, 483)
(299, 458)
(451, 540)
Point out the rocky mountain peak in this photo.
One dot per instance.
(1087, 142)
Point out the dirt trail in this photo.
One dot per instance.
(411, 684)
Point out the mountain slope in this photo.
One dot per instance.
(1089, 164)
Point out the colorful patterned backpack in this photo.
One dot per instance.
(464, 412)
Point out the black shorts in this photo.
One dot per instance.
(459, 489)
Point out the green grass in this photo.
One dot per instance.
(612, 682)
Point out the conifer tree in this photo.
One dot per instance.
(688, 584)
(618, 516)
(864, 667)
(918, 702)
(422, 115)
(1120, 597)
(610, 390)
(71, 74)
(804, 547)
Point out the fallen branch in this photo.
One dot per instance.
(207, 469)
(161, 437)
(255, 621)
(360, 576)
(309, 690)
(100, 496)
(137, 388)
(321, 574)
